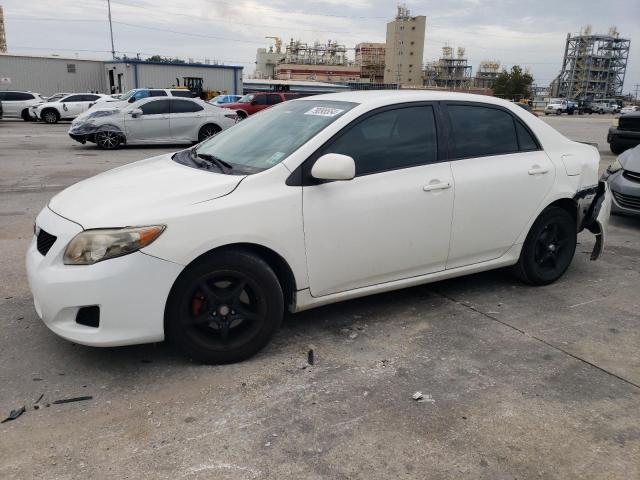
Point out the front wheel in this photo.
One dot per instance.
(108, 139)
(50, 116)
(225, 308)
(548, 249)
(25, 115)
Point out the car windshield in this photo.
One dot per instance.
(128, 95)
(246, 98)
(267, 138)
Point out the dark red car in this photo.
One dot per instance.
(254, 102)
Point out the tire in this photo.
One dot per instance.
(25, 115)
(225, 308)
(108, 139)
(50, 116)
(616, 149)
(548, 249)
(558, 112)
(241, 115)
(207, 131)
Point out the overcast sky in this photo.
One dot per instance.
(528, 33)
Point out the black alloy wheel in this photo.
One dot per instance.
(208, 131)
(549, 247)
(108, 139)
(224, 309)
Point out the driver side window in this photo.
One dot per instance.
(390, 140)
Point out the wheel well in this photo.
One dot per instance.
(242, 114)
(278, 264)
(50, 109)
(567, 204)
(210, 124)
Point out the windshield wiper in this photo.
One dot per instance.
(211, 160)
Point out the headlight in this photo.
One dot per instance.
(614, 167)
(615, 122)
(92, 246)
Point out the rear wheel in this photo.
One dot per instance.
(25, 115)
(241, 114)
(108, 139)
(225, 308)
(548, 249)
(208, 131)
(50, 116)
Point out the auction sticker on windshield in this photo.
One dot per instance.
(324, 111)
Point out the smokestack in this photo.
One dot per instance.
(3, 37)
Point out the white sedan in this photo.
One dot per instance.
(151, 120)
(311, 202)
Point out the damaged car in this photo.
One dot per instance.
(311, 202)
(152, 120)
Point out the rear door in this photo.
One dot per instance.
(184, 119)
(501, 175)
(153, 125)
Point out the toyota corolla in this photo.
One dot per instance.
(311, 202)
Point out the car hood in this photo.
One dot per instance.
(141, 193)
(630, 159)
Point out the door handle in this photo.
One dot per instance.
(436, 186)
(538, 170)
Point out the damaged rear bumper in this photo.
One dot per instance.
(594, 208)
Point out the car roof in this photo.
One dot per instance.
(399, 96)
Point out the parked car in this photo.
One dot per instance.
(222, 99)
(16, 103)
(623, 177)
(584, 107)
(65, 108)
(314, 201)
(630, 109)
(33, 108)
(136, 94)
(603, 108)
(624, 133)
(255, 102)
(151, 120)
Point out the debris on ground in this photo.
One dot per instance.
(14, 414)
(73, 399)
(422, 398)
(311, 358)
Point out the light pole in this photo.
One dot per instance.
(113, 49)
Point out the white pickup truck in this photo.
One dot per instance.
(557, 107)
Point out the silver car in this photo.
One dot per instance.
(154, 120)
(623, 177)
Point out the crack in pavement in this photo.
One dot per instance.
(541, 340)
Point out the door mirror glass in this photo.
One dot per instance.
(135, 113)
(334, 166)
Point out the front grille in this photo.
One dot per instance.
(627, 201)
(629, 123)
(633, 176)
(45, 241)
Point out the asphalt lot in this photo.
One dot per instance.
(522, 382)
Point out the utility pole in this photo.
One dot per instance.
(637, 87)
(3, 37)
(113, 49)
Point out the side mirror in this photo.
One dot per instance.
(132, 99)
(334, 166)
(135, 113)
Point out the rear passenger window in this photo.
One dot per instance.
(478, 131)
(155, 107)
(273, 98)
(526, 141)
(390, 140)
(184, 106)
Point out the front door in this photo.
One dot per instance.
(153, 124)
(502, 176)
(390, 222)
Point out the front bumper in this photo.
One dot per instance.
(131, 291)
(626, 193)
(594, 210)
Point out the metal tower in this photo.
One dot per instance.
(3, 36)
(594, 65)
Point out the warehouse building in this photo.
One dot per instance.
(48, 75)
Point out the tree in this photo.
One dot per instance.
(513, 85)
